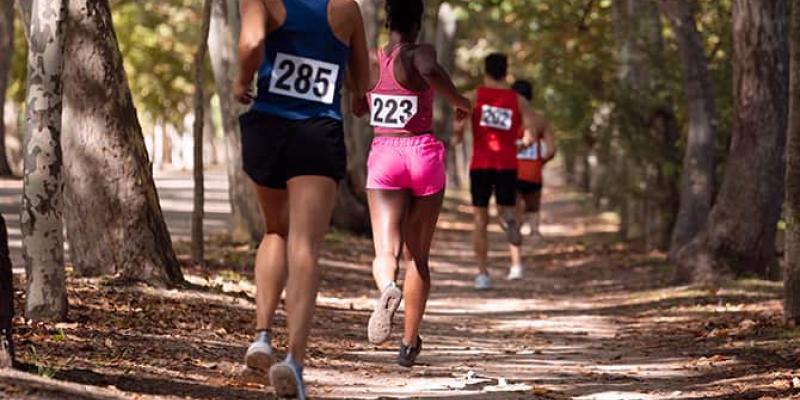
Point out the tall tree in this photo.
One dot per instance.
(445, 41)
(7, 49)
(649, 200)
(351, 211)
(740, 236)
(246, 221)
(113, 217)
(42, 234)
(6, 300)
(697, 186)
(199, 119)
(792, 273)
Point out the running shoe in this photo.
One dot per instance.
(526, 229)
(380, 322)
(259, 358)
(511, 228)
(287, 379)
(408, 355)
(483, 282)
(515, 273)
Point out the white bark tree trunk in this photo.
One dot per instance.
(42, 234)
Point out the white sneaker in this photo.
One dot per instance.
(483, 282)
(526, 229)
(258, 359)
(515, 273)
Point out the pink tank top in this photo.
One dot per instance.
(395, 109)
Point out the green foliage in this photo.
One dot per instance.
(19, 65)
(158, 41)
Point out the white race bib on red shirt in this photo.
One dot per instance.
(496, 117)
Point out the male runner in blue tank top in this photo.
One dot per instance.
(293, 149)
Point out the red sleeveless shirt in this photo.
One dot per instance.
(496, 122)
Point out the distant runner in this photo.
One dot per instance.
(531, 162)
(499, 115)
(293, 148)
(406, 179)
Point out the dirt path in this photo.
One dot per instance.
(593, 319)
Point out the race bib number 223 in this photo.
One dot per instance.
(304, 78)
(392, 111)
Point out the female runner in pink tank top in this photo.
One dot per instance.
(406, 172)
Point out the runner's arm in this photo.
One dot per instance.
(460, 124)
(358, 65)
(548, 137)
(436, 76)
(528, 120)
(255, 25)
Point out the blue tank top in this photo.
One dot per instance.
(303, 69)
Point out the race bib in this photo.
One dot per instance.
(304, 78)
(496, 117)
(388, 111)
(533, 152)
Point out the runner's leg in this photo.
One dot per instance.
(271, 254)
(387, 209)
(480, 238)
(310, 211)
(535, 213)
(420, 227)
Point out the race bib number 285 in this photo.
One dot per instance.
(304, 78)
(496, 117)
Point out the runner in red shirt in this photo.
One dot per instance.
(531, 162)
(498, 117)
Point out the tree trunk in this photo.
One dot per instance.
(792, 272)
(246, 220)
(210, 148)
(697, 185)
(351, 212)
(199, 119)
(42, 237)
(640, 53)
(113, 217)
(6, 300)
(446, 31)
(6, 48)
(740, 236)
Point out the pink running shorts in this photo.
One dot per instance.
(414, 163)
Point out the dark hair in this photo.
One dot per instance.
(524, 88)
(496, 66)
(404, 15)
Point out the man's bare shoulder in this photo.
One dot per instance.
(348, 9)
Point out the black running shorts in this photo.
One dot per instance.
(501, 183)
(275, 150)
(525, 187)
